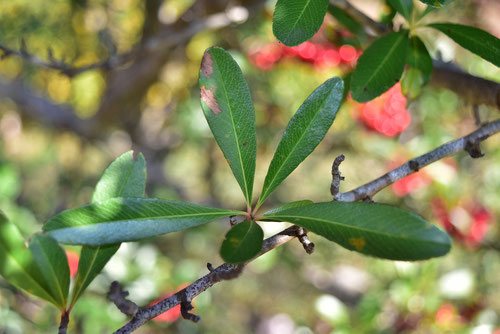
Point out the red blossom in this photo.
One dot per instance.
(386, 114)
(73, 259)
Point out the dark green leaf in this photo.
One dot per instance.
(473, 39)
(373, 229)
(125, 177)
(128, 219)
(228, 108)
(290, 205)
(242, 242)
(17, 265)
(418, 57)
(404, 7)
(52, 263)
(380, 66)
(345, 19)
(304, 132)
(295, 21)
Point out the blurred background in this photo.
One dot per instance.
(59, 131)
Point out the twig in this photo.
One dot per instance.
(63, 324)
(336, 176)
(118, 296)
(469, 143)
(165, 40)
(226, 271)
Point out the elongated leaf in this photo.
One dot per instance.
(403, 7)
(228, 108)
(290, 205)
(125, 177)
(373, 229)
(52, 263)
(418, 57)
(473, 39)
(380, 66)
(242, 242)
(295, 21)
(128, 219)
(17, 265)
(304, 132)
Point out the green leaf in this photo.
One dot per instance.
(52, 263)
(228, 108)
(373, 229)
(295, 204)
(380, 66)
(17, 265)
(295, 21)
(304, 132)
(473, 39)
(345, 19)
(128, 219)
(92, 261)
(242, 242)
(418, 57)
(125, 177)
(404, 7)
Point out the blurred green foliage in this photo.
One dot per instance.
(45, 169)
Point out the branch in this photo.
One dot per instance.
(165, 40)
(226, 271)
(472, 89)
(469, 143)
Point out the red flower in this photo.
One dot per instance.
(386, 114)
(73, 259)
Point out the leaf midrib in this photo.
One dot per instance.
(240, 158)
(375, 73)
(267, 192)
(151, 218)
(321, 220)
(298, 19)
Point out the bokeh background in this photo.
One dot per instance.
(58, 133)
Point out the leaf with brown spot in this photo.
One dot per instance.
(369, 228)
(228, 108)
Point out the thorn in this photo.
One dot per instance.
(232, 220)
(304, 240)
(210, 267)
(118, 296)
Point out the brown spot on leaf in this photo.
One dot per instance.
(208, 97)
(207, 65)
(358, 243)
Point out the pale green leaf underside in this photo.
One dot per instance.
(373, 229)
(304, 132)
(128, 219)
(228, 108)
(473, 39)
(380, 66)
(295, 21)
